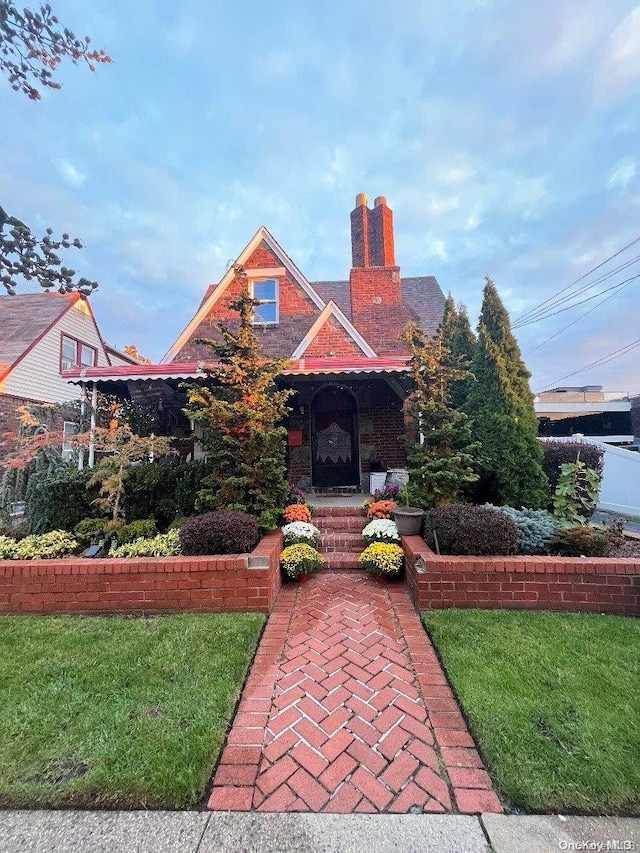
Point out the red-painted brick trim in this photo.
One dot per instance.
(603, 585)
(212, 584)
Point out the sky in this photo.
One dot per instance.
(504, 134)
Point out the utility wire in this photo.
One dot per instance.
(543, 313)
(605, 359)
(614, 287)
(577, 281)
(573, 322)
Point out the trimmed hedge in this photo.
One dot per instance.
(556, 453)
(219, 532)
(466, 529)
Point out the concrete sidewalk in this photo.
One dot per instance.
(251, 832)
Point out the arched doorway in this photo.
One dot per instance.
(334, 431)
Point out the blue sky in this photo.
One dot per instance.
(505, 136)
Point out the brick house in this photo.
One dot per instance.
(42, 334)
(347, 366)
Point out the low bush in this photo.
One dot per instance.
(382, 558)
(144, 528)
(580, 541)
(7, 548)
(301, 532)
(381, 530)
(557, 453)
(535, 528)
(219, 532)
(296, 512)
(90, 530)
(380, 509)
(162, 545)
(299, 560)
(467, 529)
(46, 546)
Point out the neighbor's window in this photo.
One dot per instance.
(69, 429)
(266, 291)
(76, 354)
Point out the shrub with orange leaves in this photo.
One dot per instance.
(380, 509)
(297, 512)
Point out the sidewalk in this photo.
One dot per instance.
(217, 832)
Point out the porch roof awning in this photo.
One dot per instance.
(195, 370)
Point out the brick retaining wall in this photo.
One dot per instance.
(530, 583)
(212, 584)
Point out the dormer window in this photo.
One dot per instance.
(266, 292)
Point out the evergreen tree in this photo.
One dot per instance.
(459, 339)
(441, 453)
(500, 404)
(241, 413)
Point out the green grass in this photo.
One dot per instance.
(117, 712)
(553, 701)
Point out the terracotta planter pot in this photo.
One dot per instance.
(408, 519)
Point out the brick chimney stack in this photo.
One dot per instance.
(375, 278)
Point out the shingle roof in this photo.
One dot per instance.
(24, 318)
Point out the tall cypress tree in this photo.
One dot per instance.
(500, 404)
(459, 339)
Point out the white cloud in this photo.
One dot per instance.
(624, 172)
(619, 67)
(73, 176)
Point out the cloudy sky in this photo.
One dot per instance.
(504, 134)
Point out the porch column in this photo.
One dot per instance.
(83, 408)
(92, 428)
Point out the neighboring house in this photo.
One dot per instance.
(347, 366)
(585, 410)
(42, 334)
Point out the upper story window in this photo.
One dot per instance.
(74, 353)
(266, 291)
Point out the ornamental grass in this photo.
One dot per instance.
(382, 558)
(297, 512)
(380, 509)
(299, 560)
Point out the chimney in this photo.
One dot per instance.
(375, 278)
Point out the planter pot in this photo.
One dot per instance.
(303, 578)
(408, 519)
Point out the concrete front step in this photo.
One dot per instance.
(341, 561)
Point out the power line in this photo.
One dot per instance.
(573, 322)
(605, 359)
(543, 313)
(578, 280)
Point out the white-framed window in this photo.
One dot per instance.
(69, 429)
(265, 290)
(74, 353)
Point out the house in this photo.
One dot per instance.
(42, 334)
(585, 410)
(348, 368)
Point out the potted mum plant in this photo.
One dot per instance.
(384, 560)
(299, 561)
(407, 518)
(301, 533)
(381, 530)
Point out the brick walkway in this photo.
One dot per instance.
(346, 709)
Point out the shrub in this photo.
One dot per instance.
(46, 546)
(89, 530)
(301, 532)
(466, 529)
(145, 528)
(8, 548)
(576, 493)
(162, 545)
(219, 532)
(382, 558)
(59, 503)
(557, 453)
(297, 512)
(299, 560)
(381, 530)
(535, 528)
(580, 541)
(380, 509)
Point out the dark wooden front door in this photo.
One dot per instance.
(335, 457)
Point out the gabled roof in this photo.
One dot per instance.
(215, 293)
(332, 310)
(25, 319)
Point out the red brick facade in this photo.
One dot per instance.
(529, 583)
(332, 340)
(236, 583)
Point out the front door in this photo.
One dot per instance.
(335, 458)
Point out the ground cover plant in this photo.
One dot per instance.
(117, 712)
(552, 700)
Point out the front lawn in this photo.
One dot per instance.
(116, 712)
(552, 699)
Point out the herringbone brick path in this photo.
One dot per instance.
(347, 709)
